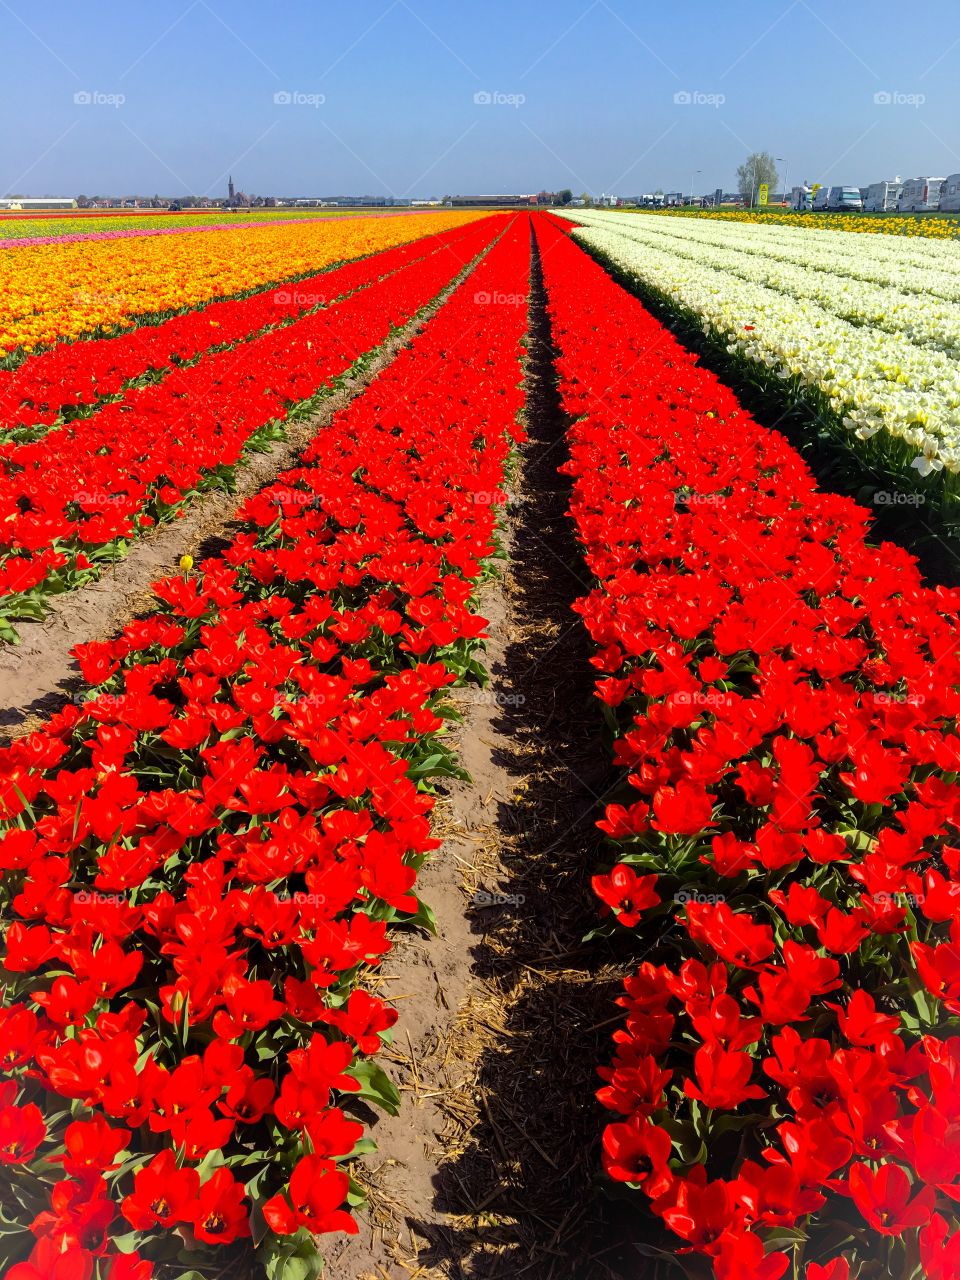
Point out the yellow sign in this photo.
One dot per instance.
(764, 193)
(816, 187)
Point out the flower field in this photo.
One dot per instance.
(92, 222)
(64, 291)
(185, 427)
(926, 226)
(786, 723)
(213, 856)
(870, 325)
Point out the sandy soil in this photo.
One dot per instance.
(432, 981)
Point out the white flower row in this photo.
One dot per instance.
(886, 355)
(912, 264)
(851, 252)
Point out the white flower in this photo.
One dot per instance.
(925, 465)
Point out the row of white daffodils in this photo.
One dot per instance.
(873, 322)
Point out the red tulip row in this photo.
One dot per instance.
(75, 497)
(202, 862)
(785, 703)
(55, 383)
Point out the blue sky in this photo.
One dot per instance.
(429, 97)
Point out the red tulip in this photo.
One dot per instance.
(883, 1197)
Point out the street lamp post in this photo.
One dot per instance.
(692, 179)
(781, 160)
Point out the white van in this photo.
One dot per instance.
(919, 195)
(801, 199)
(882, 197)
(950, 193)
(845, 198)
(821, 199)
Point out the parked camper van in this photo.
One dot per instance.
(841, 198)
(882, 197)
(920, 195)
(801, 199)
(950, 193)
(821, 200)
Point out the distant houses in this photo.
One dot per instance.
(490, 201)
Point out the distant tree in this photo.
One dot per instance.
(586, 197)
(564, 196)
(82, 202)
(759, 167)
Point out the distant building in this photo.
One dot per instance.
(39, 202)
(490, 202)
(236, 199)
